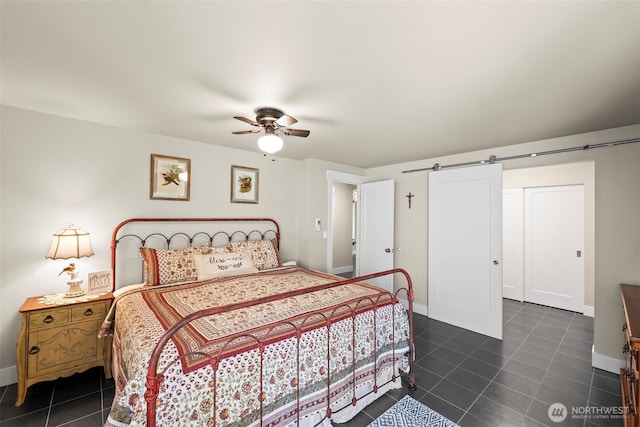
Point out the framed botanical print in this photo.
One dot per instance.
(244, 184)
(170, 178)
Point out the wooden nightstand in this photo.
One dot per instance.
(61, 340)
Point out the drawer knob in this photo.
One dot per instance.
(34, 350)
(48, 319)
(88, 312)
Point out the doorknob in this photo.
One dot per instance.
(495, 262)
(388, 250)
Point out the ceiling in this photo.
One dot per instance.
(377, 83)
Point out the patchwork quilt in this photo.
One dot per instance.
(310, 350)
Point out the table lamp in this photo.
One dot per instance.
(71, 243)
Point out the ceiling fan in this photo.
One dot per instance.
(273, 122)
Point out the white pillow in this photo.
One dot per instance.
(210, 266)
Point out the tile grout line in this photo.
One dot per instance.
(469, 356)
(589, 394)
(101, 395)
(508, 359)
(456, 366)
(544, 317)
(554, 356)
(53, 392)
(78, 419)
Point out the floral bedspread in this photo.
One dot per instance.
(187, 392)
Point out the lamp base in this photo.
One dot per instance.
(74, 289)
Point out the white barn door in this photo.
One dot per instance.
(465, 248)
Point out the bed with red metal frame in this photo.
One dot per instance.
(301, 367)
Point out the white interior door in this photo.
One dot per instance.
(465, 248)
(375, 239)
(553, 246)
(512, 244)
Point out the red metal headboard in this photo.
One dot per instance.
(115, 239)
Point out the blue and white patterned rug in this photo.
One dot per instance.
(408, 412)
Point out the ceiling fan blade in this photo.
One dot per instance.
(244, 119)
(244, 132)
(296, 132)
(285, 120)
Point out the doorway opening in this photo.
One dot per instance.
(548, 247)
(344, 213)
(344, 229)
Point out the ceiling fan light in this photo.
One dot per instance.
(270, 143)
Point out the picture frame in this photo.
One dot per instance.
(99, 282)
(170, 178)
(244, 184)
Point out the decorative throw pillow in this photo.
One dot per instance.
(164, 266)
(214, 265)
(264, 253)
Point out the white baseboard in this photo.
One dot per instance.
(588, 311)
(606, 363)
(8, 376)
(417, 308)
(420, 309)
(342, 270)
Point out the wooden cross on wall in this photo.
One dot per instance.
(409, 196)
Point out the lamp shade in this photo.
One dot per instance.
(70, 243)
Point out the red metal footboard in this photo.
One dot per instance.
(155, 378)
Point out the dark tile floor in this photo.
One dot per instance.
(80, 400)
(544, 358)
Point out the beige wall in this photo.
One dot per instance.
(313, 204)
(617, 217)
(56, 170)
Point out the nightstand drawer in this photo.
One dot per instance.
(89, 311)
(48, 318)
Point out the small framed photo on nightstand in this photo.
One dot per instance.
(99, 282)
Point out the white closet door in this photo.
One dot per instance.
(553, 246)
(512, 244)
